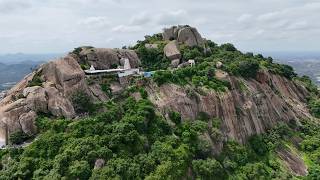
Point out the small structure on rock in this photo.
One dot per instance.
(190, 62)
(92, 68)
(122, 72)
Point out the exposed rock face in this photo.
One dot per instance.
(243, 112)
(184, 34)
(293, 162)
(171, 50)
(61, 79)
(175, 63)
(105, 58)
(99, 164)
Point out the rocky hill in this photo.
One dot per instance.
(235, 95)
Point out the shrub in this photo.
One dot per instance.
(162, 77)
(191, 52)
(84, 66)
(228, 47)
(152, 59)
(207, 169)
(203, 116)
(105, 87)
(258, 145)
(18, 137)
(36, 80)
(143, 93)
(175, 117)
(247, 68)
(79, 170)
(314, 106)
(82, 102)
(287, 71)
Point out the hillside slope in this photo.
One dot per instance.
(201, 113)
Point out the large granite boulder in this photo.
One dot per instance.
(36, 99)
(171, 50)
(184, 34)
(27, 122)
(66, 75)
(106, 58)
(58, 104)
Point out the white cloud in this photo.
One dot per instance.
(141, 19)
(59, 25)
(96, 21)
(126, 29)
(244, 18)
(11, 6)
(173, 17)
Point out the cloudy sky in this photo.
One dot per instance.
(54, 26)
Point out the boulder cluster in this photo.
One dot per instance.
(180, 35)
(183, 34)
(106, 58)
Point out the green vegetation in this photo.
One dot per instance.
(36, 80)
(152, 58)
(314, 96)
(202, 75)
(82, 103)
(136, 143)
(18, 137)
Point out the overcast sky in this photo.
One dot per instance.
(54, 26)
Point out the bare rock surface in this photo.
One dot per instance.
(99, 163)
(61, 79)
(105, 58)
(175, 63)
(243, 112)
(183, 34)
(171, 50)
(293, 162)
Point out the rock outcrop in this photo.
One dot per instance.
(171, 50)
(184, 34)
(243, 112)
(105, 58)
(56, 82)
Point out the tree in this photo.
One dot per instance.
(82, 102)
(79, 169)
(245, 68)
(228, 47)
(175, 117)
(258, 145)
(208, 169)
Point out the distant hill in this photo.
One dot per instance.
(15, 72)
(13, 67)
(18, 58)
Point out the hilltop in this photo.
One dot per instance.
(175, 105)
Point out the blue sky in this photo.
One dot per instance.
(53, 26)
